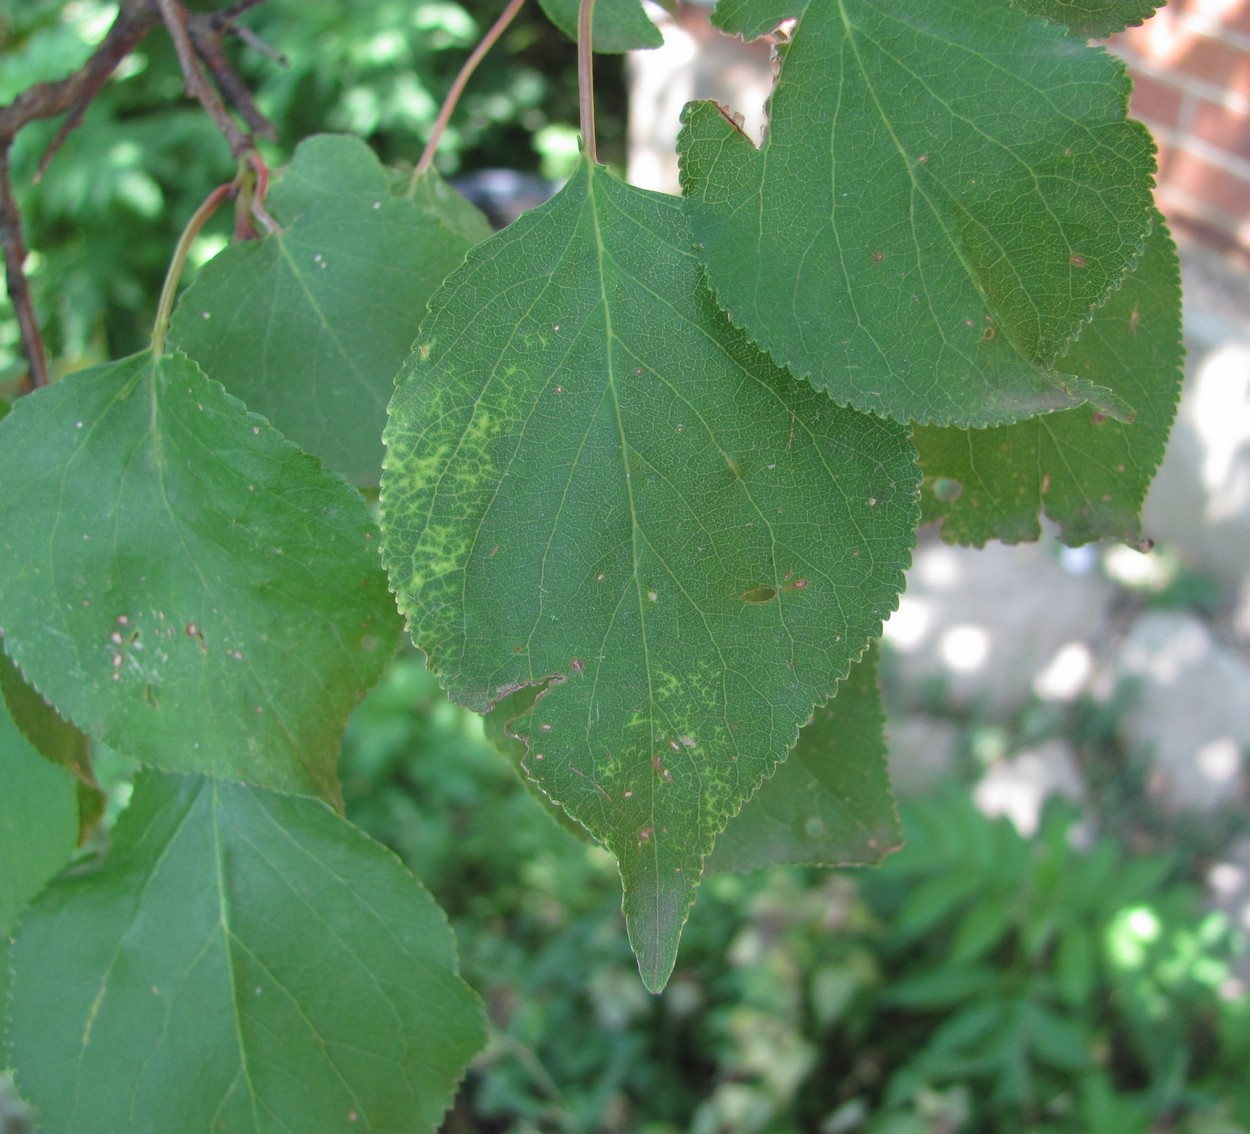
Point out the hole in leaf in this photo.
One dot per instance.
(947, 490)
(759, 594)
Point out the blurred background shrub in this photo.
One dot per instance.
(979, 981)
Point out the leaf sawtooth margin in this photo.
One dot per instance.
(945, 195)
(1086, 472)
(184, 583)
(238, 961)
(593, 480)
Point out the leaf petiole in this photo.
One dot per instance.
(457, 88)
(249, 187)
(586, 79)
(201, 216)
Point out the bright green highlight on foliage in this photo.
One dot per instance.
(182, 582)
(944, 196)
(829, 804)
(1085, 471)
(593, 481)
(239, 961)
(310, 324)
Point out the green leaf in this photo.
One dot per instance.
(1093, 18)
(593, 480)
(1086, 472)
(945, 194)
(183, 582)
(50, 733)
(751, 19)
(325, 165)
(240, 961)
(619, 25)
(54, 738)
(310, 325)
(499, 725)
(830, 802)
(432, 194)
(38, 821)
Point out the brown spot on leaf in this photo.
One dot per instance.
(732, 117)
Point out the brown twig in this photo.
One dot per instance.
(175, 17)
(19, 287)
(198, 34)
(207, 31)
(135, 18)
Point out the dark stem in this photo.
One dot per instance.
(175, 17)
(586, 78)
(19, 287)
(457, 88)
(206, 36)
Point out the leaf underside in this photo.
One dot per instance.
(944, 196)
(830, 803)
(240, 961)
(38, 822)
(619, 25)
(593, 480)
(185, 584)
(1095, 18)
(310, 324)
(1085, 471)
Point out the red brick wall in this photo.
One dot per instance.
(1191, 69)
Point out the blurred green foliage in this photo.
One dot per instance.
(102, 223)
(979, 981)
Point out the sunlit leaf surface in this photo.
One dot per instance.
(945, 194)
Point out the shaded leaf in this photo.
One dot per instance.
(1086, 472)
(1094, 18)
(751, 19)
(592, 480)
(240, 961)
(945, 194)
(455, 211)
(310, 325)
(56, 740)
(830, 803)
(49, 732)
(619, 25)
(38, 822)
(185, 584)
